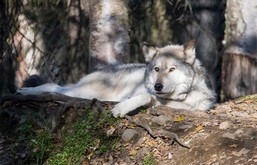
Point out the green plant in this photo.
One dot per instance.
(43, 144)
(149, 160)
(33, 142)
(248, 97)
(87, 137)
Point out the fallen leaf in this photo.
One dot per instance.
(137, 148)
(249, 101)
(132, 152)
(90, 155)
(198, 128)
(35, 150)
(110, 131)
(233, 145)
(235, 153)
(179, 119)
(170, 156)
(151, 143)
(243, 151)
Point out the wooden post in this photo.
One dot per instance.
(239, 67)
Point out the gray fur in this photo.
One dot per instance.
(182, 79)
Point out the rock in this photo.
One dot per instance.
(170, 156)
(140, 141)
(128, 134)
(185, 126)
(206, 123)
(229, 135)
(161, 120)
(224, 125)
(2, 140)
(239, 114)
(243, 151)
(239, 132)
(215, 163)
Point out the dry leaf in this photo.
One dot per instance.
(233, 145)
(110, 131)
(199, 128)
(179, 119)
(90, 155)
(170, 156)
(132, 152)
(151, 143)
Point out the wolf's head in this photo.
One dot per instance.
(169, 67)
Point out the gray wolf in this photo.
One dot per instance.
(173, 77)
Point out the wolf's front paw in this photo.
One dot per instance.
(180, 97)
(119, 110)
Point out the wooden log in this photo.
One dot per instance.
(55, 110)
(240, 53)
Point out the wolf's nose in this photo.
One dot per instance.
(158, 86)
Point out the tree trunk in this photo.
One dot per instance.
(240, 55)
(203, 20)
(76, 26)
(7, 63)
(109, 40)
(150, 22)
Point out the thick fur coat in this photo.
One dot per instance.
(173, 77)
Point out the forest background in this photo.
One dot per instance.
(64, 40)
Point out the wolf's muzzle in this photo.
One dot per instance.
(158, 87)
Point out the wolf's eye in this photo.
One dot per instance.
(172, 69)
(156, 69)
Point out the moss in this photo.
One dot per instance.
(36, 143)
(149, 160)
(32, 145)
(85, 139)
(248, 97)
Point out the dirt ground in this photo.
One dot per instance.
(225, 135)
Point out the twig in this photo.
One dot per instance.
(171, 135)
(146, 127)
(159, 133)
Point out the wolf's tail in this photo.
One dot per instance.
(33, 81)
(45, 88)
(36, 85)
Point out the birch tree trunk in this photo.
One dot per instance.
(109, 39)
(240, 56)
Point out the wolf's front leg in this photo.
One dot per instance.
(126, 106)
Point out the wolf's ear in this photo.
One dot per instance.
(189, 50)
(149, 51)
